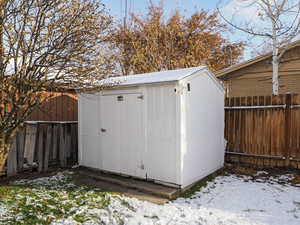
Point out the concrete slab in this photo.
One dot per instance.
(133, 187)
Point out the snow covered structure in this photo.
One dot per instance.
(163, 126)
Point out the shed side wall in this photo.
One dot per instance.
(204, 128)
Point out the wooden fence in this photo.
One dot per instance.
(263, 130)
(57, 106)
(41, 145)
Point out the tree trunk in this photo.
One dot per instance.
(4, 149)
(275, 81)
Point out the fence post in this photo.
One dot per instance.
(287, 131)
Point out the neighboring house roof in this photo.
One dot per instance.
(222, 73)
(155, 77)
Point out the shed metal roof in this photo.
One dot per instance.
(155, 77)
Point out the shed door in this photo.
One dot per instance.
(122, 132)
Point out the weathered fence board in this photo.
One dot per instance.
(263, 130)
(54, 143)
(30, 141)
(62, 145)
(40, 147)
(12, 157)
(48, 146)
(43, 145)
(20, 148)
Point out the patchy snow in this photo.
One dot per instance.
(3, 210)
(259, 173)
(227, 200)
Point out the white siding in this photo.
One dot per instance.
(162, 152)
(122, 143)
(88, 129)
(203, 128)
(170, 136)
(110, 143)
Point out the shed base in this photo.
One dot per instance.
(161, 192)
(145, 186)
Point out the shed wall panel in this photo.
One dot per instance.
(88, 126)
(204, 129)
(122, 138)
(110, 139)
(161, 156)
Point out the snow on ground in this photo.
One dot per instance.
(227, 200)
(2, 210)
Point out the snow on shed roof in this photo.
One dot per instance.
(155, 77)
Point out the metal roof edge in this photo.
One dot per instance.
(139, 84)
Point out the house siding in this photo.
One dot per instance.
(256, 79)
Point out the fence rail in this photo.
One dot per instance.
(41, 145)
(263, 130)
(256, 107)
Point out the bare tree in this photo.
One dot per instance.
(275, 20)
(45, 44)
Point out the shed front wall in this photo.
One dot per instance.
(202, 128)
(160, 137)
(88, 127)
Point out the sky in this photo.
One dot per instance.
(139, 6)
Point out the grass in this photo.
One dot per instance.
(45, 200)
(48, 200)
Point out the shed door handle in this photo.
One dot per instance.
(103, 130)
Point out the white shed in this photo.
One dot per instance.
(163, 126)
